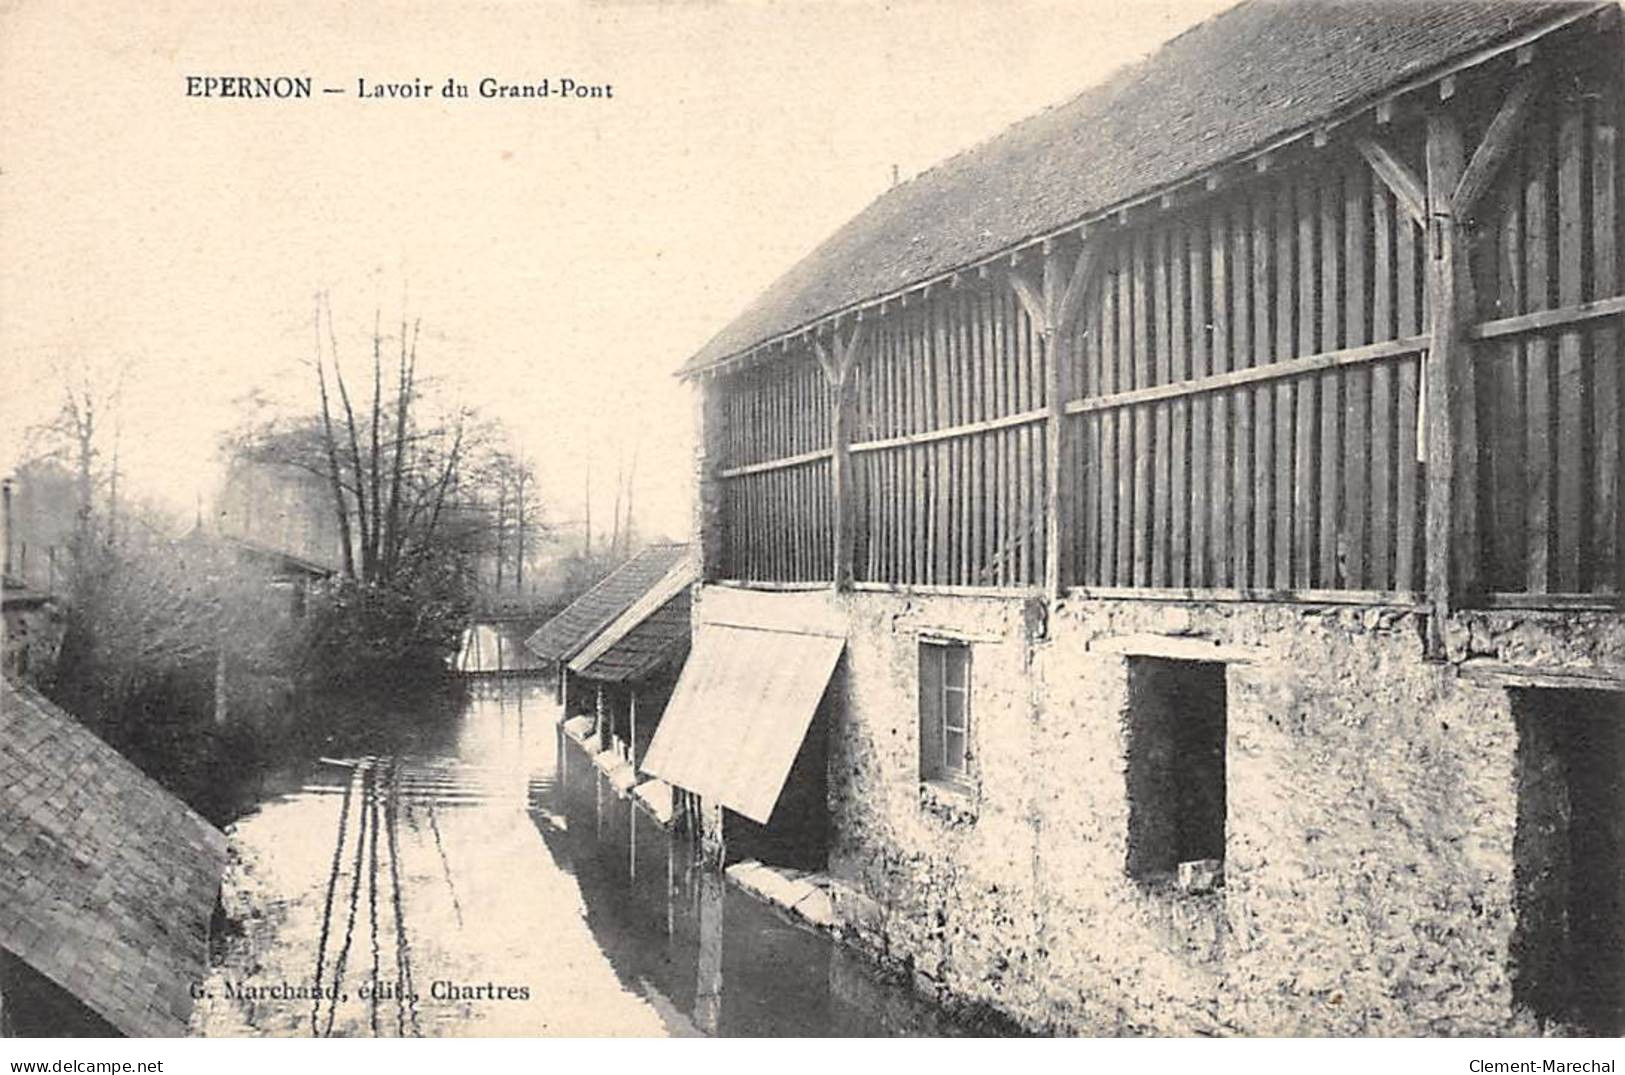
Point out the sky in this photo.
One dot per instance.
(564, 256)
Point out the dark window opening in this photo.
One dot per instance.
(1176, 765)
(1568, 947)
(945, 740)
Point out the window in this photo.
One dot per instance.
(1176, 767)
(945, 743)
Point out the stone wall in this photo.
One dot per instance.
(1371, 810)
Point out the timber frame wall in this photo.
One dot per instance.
(1378, 364)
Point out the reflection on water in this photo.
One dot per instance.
(495, 649)
(437, 879)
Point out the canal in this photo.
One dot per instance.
(437, 879)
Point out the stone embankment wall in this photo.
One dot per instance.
(1371, 811)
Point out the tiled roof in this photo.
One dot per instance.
(107, 882)
(565, 635)
(660, 637)
(1258, 72)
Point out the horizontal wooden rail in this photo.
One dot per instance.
(1541, 320)
(969, 429)
(946, 590)
(767, 584)
(1522, 324)
(1382, 598)
(1292, 367)
(1566, 602)
(775, 464)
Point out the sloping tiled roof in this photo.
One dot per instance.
(563, 636)
(107, 881)
(660, 637)
(1258, 72)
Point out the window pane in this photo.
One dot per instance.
(954, 711)
(930, 711)
(954, 752)
(957, 659)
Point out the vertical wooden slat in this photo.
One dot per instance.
(1201, 406)
(1125, 416)
(1571, 402)
(1142, 414)
(1106, 567)
(1162, 481)
(937, 364)
(1219, 470)
(1006, 499)
(1331, 445)
(1605, 576)
(1089, 437)
(919, 342)
(1537, 369)
(1505, 535)
(1285, 337)
(1179, 370)
(1303, 478)
(1380, 571)
(1264, 395)
(1407, 496)
(964, 471)
(1031, 482)
(1242, 356)
(1356, 382)
(985, 519)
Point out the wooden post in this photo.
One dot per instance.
(1450, 415)
(1053, 303)
(836, 359)
(1451, 453)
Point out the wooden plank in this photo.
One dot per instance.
(958, 470)
(1125, 422)
(1580, 314)
(1506, 531)
(1285, 348)
(1606, 573)
(1142, 415)
(963, 468)
(1566, 601)
(941, 524)
(1331, 401)
(1492, 674)
(1537, 368)
(1242, 357)
(1024, 447)
(1407, 496)
(1179, 371)
(1106, 566)
(1303, 477)
(1404, 184)
(1162, 357)
(1451, 447)
(1006, 474)
(1571, 402)
(1222, 573)
(987, 520)
(1263, 340)
(1201, 367)
(1497, 143)
(1379, 571)
(1356, 385)
(1369, 598)
(786, 463)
